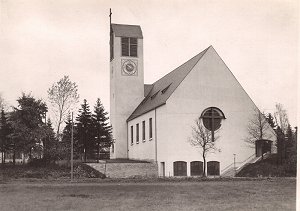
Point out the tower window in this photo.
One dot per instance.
(129, 46)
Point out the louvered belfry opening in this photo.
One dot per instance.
(129, 46)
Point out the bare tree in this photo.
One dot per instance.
(281, 117)
(258, 128)
(63, 95)
(282, 130)
(202, 138)
(2, 103)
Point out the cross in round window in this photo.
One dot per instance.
(212, 118)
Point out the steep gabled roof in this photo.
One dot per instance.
(121, 30)
(164, 87)
(147, 89)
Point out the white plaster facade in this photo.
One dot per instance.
(126, 92)
(209, 84)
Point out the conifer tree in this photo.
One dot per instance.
(65, 144)
(50, 143)
(102, 129)
(84, 127)
(5, 130)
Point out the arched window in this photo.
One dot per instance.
(179, 168)
(196, 168)
(213, 168)
(212, 118)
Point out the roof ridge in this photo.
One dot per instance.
(124, 24)
(177, 76)
(204, 51)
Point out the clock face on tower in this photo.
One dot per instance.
(129, 67)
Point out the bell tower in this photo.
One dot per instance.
(126, 81)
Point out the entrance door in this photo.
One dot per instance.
(262, 146)
(162, 169)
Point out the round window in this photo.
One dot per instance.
(212, 118)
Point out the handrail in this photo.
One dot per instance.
(232, 164)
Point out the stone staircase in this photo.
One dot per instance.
(125, 169)
(231, 170)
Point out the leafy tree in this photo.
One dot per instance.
(202, 138)
(63, 95)
(27, 124)
(84, 127)
(102, 129)
(5, 130)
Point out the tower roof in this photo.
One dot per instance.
(121, 30)
(163, 88)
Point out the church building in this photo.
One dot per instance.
(153, 122)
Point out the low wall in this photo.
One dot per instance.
(126, 170)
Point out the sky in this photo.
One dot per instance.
(41, 41)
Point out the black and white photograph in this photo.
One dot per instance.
(149, 105)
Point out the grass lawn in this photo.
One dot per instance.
(273, 194)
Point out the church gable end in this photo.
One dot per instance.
(210, 84)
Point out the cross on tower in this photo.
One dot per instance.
(110, 13)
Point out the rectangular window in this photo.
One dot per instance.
(133, 47)
(131, 128)
(129, 46)
(150, 128)
(144, 135)
(137, 133)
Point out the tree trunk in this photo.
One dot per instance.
(3, 157)
(98, 152)
(84, 155)
(14, 157)
(59, 122)
(204, 165)
(30, 156)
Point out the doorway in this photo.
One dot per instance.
(162, 169)
(262, 146)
